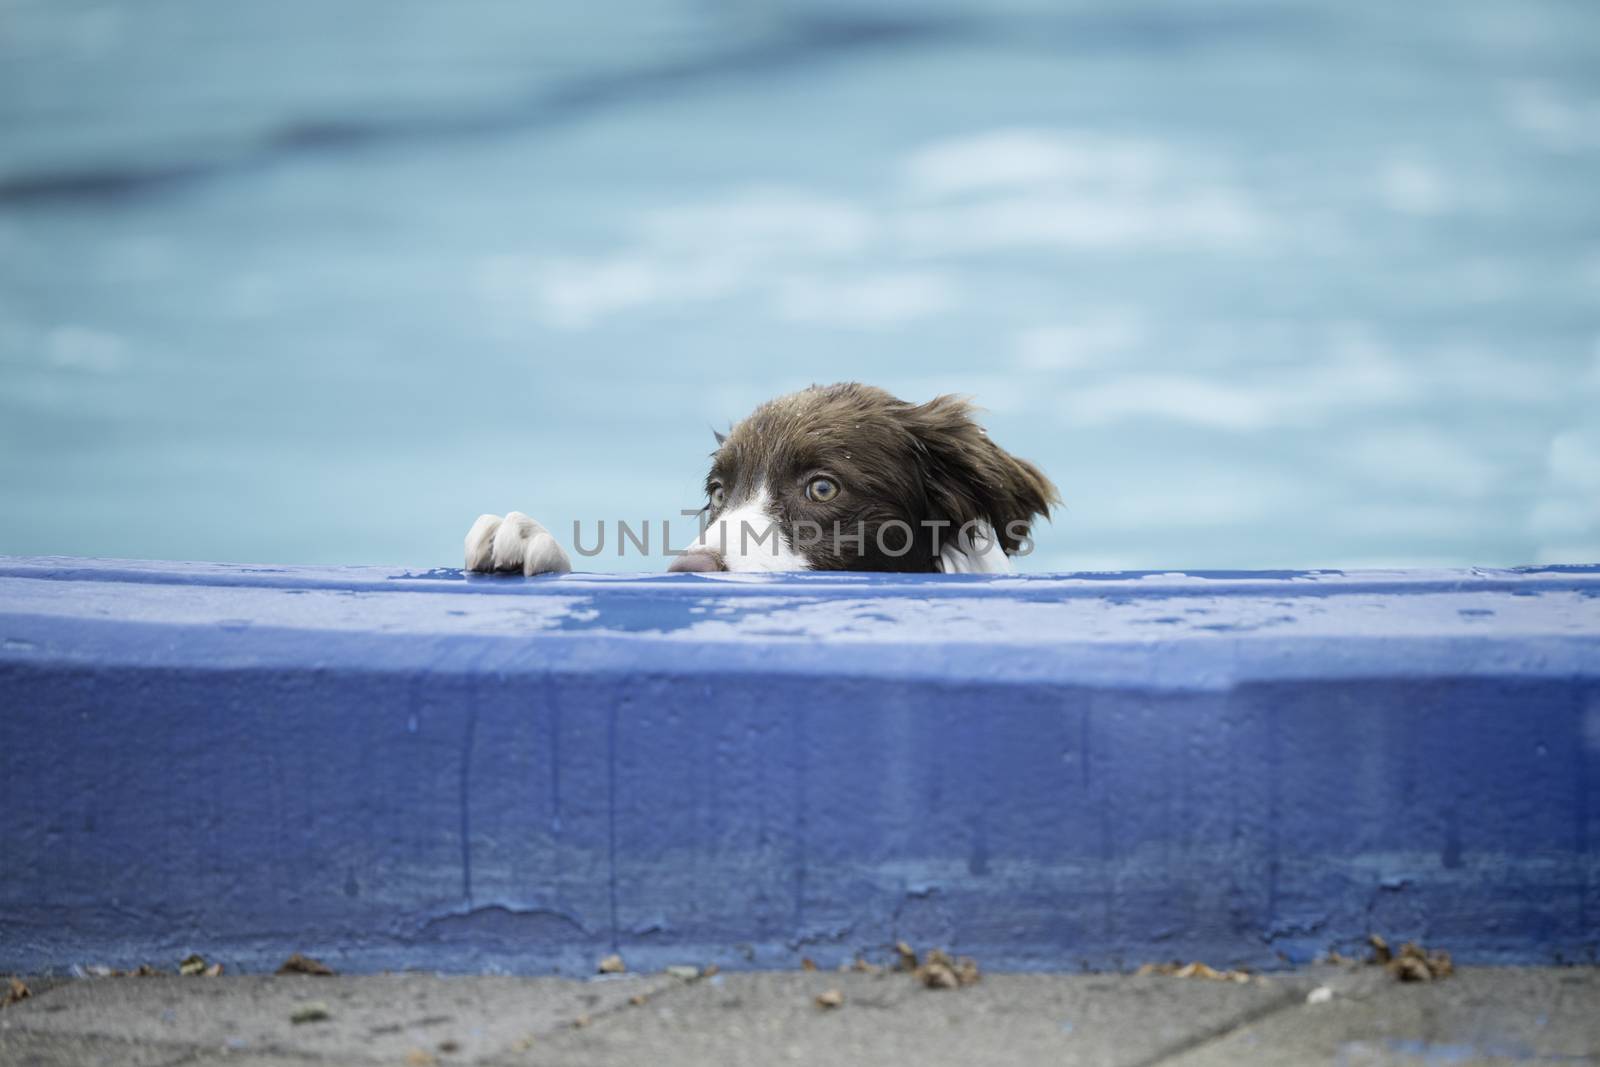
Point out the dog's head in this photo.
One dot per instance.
(847, 477)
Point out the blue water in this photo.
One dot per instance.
(1259, 284)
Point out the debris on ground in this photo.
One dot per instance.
(906, 957)
(613, 964)
(144, 970)
(967, 970)
(298, 964)
(830, 999)
(420, 1057)
(100, 970)
(1416, 969)
(936, 970)
(710, 971)
(1412, 963)
(1196, 969)
(17, 991)
(940, 971)
(1320, 995)
(196, 964)
(314, 1011)
(687, 972)
(807, 963)
(580, 1022)
(638, 1000)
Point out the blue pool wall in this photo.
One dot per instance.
(396, 769)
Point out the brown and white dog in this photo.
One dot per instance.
(837, 477)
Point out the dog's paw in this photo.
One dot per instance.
(515, 544)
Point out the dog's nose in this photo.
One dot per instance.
(698, 560)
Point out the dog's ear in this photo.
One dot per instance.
(969, 477)
(720, 436)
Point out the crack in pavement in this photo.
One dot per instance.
(1291, 998)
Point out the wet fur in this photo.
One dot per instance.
(893, 461)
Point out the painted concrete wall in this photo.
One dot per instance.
(396, 769)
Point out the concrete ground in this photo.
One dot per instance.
(1354, 1016)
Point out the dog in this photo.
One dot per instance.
(837, 477)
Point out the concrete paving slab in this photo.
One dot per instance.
(382, 1018)
(1004, 1019)
(29, 1048)
(1478, 1016)
(229, 1059)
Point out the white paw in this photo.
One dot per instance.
(515, 544)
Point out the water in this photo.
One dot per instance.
(1258, 284)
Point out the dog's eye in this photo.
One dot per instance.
(822, 490)
(717, 497)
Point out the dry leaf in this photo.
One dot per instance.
(1416, 964)
(1412, 963)
(967, 971)
(613, 964)
(1196, 969)
(938, 970)
(1408, 969)
(830, 999)
(907, 958)
(195, 964)
(298, 964)
(312, 1012)
(18, 991)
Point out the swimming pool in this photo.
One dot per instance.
(1261, 285)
